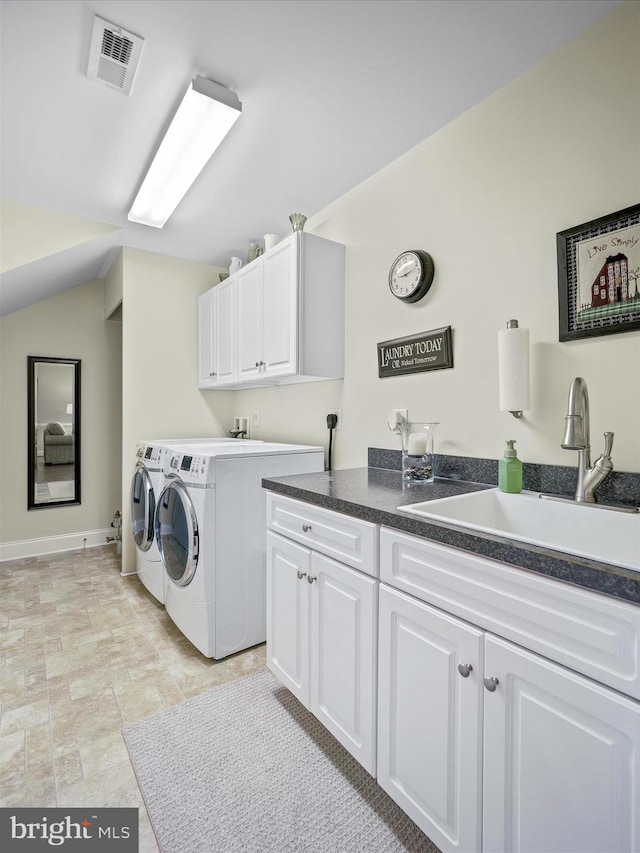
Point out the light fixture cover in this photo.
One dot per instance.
(206, 114)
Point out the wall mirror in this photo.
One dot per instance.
(54, 431)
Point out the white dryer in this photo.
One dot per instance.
(210, 528)
(146, 484)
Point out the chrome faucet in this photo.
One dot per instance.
(238, 433)
(576, 437)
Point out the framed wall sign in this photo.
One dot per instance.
(416, 353)
(599, 276)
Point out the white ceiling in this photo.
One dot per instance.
(332, 91)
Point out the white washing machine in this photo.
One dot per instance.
(210, 528)
(146, 484)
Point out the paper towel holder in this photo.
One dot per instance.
(514, 377)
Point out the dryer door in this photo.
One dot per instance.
(143, 508)
(177, 532)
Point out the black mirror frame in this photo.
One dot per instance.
(32, 360)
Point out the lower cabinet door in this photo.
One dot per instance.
(344, 608)
(430, 718)
(288, 566)
(562, 759)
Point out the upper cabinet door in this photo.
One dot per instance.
(206, 370)
(281, 309)
(249, 320)
(224, 356)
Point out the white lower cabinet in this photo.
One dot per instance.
(489, 746)
(430, 719)
(321, 640)
(561, 759)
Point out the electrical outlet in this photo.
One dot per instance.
(255, 418)
(338, 414)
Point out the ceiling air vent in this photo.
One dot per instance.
(113, 56)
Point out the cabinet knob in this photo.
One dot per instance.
(491, 683)
(257, 364)
(301, 575)
(306, 528)
(212, 373)
(261, 363)
(464, 669)
(311, 578)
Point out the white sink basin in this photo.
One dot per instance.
(587, 531)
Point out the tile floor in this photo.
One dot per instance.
(83, 651)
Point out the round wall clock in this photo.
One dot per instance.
(411, 275)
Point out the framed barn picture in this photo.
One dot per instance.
(599, 276)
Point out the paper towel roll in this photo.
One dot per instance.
(513, 369)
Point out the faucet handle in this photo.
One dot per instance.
(608, 443)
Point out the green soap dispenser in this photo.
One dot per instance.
(510, 470)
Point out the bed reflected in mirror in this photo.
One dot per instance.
(54, 432)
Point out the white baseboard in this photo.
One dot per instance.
(54, 544)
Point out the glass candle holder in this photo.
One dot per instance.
(417, 452)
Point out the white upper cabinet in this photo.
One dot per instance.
(216, 336)
(287, 321)
(206, 370)
(249, 321)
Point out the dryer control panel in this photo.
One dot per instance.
(191, 467)
(150, 454)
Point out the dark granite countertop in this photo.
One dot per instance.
(373, 494)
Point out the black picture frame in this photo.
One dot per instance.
(599, 276)
(32, 431)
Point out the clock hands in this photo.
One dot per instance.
(405, 269)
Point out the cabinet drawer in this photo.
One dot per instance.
(586, 631)
(342, 537)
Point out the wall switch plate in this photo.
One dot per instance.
(255, 418)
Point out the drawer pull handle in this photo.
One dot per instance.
(311, 578)
(301, 575)
(306, 528)
(491, 683)
(464, 669)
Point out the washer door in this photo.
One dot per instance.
(143, 508)
(177, 532)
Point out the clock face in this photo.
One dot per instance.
(411, 275)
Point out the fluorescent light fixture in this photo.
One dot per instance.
(207, 113)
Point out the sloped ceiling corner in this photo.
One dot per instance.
(30, 233)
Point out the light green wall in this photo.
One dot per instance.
(113, 284)
(55, 232)
(160, 395)
(70, 325)
(485, 196)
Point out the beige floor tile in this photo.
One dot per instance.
(84, 651)
(104, 752)
(137, 701)
(68, 769)
(97, 679)
(39, 747)
(12, 754)
(114, 786)
(35, 788)
(24, 716)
